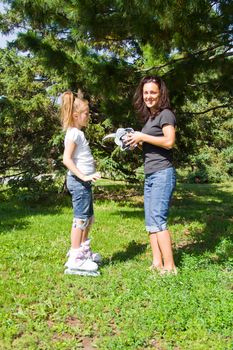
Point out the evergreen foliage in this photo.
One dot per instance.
(28, 122)
(106, 46)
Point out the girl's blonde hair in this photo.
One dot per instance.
(71, 104)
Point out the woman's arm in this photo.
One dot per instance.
(166, 141)
(68, 162)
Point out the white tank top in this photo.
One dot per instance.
(82, 156)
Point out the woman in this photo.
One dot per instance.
(151, 102)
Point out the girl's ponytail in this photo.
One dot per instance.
(67, 109)
(69, 105)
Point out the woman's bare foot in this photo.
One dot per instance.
(156, 267)
(172, 271)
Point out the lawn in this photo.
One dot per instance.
(127, 306)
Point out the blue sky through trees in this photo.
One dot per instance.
(5, 38)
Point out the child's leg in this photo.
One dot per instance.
(82, 206)
(79, 232)
(87, 229)
(77, 262)
(96, 257)
(76, 237)
(77, 259)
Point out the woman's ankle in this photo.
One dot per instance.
(169, 267)
(157, 264)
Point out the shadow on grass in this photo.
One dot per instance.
(209, 206)
(14, 213)
(133, 249)
(129, 214)
(118, 193)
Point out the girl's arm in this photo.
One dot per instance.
(166, 141)
(68, 162)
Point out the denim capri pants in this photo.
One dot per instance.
(82, 199)
(158, 189)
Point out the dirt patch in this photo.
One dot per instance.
(73, 321)
(87, 344)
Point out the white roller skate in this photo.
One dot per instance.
(89, 254)
(78, 264)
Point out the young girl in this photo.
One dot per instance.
(78, 159)
(157, 137)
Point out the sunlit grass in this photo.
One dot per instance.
(127, 306)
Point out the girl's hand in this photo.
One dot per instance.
(92, 177)
(134, 139)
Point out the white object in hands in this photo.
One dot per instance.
(120, 138)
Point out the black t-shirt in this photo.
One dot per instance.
(157, 158)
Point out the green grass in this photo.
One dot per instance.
(127, 306)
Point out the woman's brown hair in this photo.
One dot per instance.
(140, 106)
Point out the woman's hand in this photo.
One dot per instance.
(166, 141)
(133, 139)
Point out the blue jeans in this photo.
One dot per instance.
(158, 189)
(82, 199)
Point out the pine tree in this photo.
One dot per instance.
(107, 46)
(29, 124)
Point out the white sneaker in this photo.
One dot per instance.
(80, 262)
(96, 257)
(82, 273)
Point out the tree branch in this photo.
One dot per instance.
(2, 178)
(189, 56)
(208, 110)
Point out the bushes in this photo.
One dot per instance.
(211, 166)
